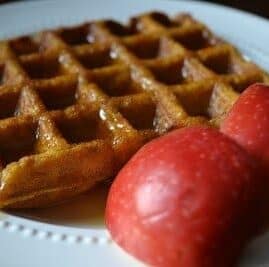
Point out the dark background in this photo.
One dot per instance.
(255, 6)
(260, 7)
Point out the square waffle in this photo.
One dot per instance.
(76, 103)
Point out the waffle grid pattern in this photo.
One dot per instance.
(76, 103)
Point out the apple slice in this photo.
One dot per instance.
(187, 199)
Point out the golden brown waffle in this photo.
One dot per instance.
(76, 103)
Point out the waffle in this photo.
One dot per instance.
(77, 102)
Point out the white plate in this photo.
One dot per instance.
(71, 235)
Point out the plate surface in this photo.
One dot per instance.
(73, 234)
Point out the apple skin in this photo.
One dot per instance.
(191, 198)
(247, 123)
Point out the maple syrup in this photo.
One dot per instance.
(86, 210)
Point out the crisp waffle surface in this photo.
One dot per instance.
(77, 102)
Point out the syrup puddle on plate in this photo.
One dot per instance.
(86, 210)
(3, 216)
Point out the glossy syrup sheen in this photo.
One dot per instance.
(86, 210)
